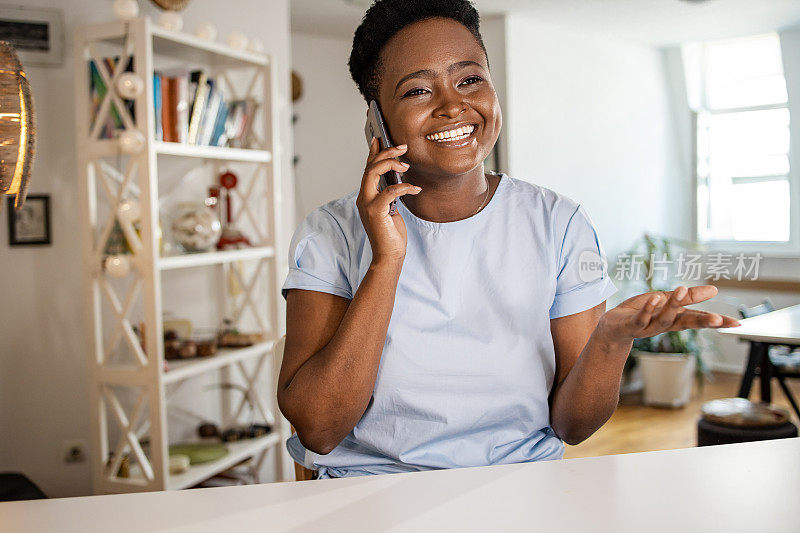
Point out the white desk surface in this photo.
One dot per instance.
(751, 487)
(781, 326)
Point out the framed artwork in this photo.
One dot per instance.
(36, 33)
(31, 224)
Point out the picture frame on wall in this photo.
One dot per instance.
(36, 33)
(31, 224)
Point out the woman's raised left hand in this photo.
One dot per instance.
(651, 313)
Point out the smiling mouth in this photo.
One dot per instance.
(456, 137)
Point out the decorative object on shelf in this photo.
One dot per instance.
(207, 430)
(252, 430)
(170, 20)
(124, 469)
(231, 238)
(234, 339)
(129, 85)
(231, 337)
(171, 5)
(196, 227)
(128, 212)
(206, 31)
(237, 39)
(179, 463)
(256, 45)
(117, 266)
(36, 32)
(297, 86)
(129, 215)
(29, 225)
(199, 452)
(126, 9)
(131, 142)
(17, 126)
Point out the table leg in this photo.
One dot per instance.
(788, 394)
(750, 370)
(765, 373)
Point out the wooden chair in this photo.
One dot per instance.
(760, 363)
(301, 473)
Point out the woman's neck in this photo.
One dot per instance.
(448, 198)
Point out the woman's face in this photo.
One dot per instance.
(435, 77)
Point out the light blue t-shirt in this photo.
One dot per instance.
(468, 362)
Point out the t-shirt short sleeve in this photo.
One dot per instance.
(319, 257)
(583, 281)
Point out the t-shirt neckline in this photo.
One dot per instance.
(407, 214)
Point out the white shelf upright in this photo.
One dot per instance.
(129, 381)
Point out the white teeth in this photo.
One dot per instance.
(457, 134)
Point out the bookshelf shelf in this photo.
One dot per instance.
(132, 388)
(178, 370)
(237, 452)
(212, 152)
(179, 45)
(195, 50)
(215, 258)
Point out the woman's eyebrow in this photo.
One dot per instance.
(428, 73)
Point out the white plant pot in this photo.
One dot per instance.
(667, 377)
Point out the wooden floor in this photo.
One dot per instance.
(636, 428)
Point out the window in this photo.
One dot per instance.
(738, 92)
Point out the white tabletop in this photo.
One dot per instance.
(781, 326)
(739, 487)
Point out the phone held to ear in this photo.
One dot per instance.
(376, 127)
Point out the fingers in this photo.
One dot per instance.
(673, 306)
(381, 163)
(640, 300)
(701, 293)
(376, 154)
(393, 192)
(693, 319)
(642, 319)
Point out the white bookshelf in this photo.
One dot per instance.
(131, 395)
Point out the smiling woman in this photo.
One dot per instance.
(469, 327)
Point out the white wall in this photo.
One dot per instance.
(329, 131)
(591, 119)
(43, 349)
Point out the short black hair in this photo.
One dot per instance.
(387, 17)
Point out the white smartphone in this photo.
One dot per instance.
(376, 127)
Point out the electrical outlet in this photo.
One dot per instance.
(73, 451)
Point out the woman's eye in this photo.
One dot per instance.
(414, 92)
(472, 80)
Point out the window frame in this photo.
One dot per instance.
(790, 248)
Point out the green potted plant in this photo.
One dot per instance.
(666, 362)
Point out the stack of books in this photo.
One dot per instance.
(189, 107)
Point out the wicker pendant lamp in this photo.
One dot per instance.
(17, 126)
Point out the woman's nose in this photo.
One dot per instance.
(451, 105)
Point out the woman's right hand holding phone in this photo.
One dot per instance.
(386, 233)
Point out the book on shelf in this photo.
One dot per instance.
(158, 107)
